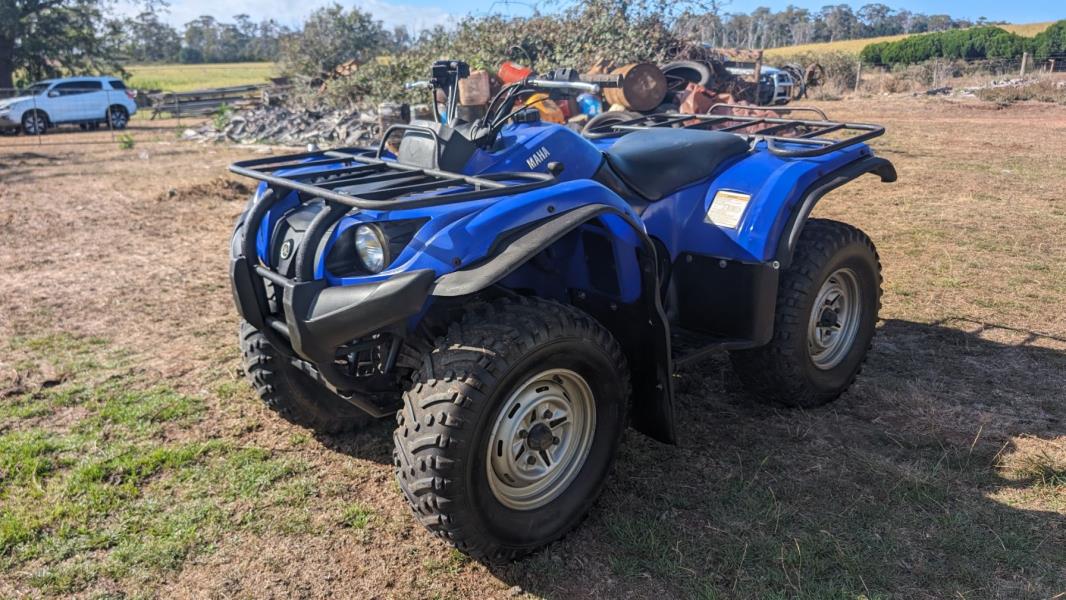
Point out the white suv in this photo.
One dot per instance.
(86, 101)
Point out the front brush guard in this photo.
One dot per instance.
(319, 318)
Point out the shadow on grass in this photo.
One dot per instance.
(373, 442)
(941, 473)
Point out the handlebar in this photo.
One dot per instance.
(549, 84)
(415, 85)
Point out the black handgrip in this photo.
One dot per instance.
(604, 80)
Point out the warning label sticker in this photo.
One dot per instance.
(727, 208)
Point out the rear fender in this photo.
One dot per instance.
(802, 210)
(555, 258)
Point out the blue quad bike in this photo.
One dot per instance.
(516, 293)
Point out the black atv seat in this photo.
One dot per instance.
(657, 162)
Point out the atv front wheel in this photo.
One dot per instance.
(509, 431)
(291, 393)
(827, 305)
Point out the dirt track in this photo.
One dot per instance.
(942, 473)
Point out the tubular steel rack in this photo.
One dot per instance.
(808, 137)
(365, 181)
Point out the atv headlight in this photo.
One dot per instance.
(372, 248)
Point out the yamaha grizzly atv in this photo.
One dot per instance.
(516, 293)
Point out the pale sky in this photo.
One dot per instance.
(423, 14)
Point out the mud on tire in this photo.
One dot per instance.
(442, 439)
(785, 371)
(291, 393)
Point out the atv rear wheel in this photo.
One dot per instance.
(291, 393)
(827, 305)
(511, 426)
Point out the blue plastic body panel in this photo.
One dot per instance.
(455, 236)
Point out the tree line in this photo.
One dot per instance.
(47, 38)
(764, 28)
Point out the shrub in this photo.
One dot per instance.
(620, 30)
(963, 44)
(1050, 41)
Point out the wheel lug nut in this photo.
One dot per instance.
(555, 441)
(530, 460)
(523, 433)
(547, 414)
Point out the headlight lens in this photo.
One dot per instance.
(372, 248)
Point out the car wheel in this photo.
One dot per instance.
(34, 122)
(118, 117)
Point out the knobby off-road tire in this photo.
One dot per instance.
(804, 365)
(291, 393)
(497, 364)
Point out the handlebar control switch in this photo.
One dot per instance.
(527, 115)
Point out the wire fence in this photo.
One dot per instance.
(941, 74)
(102, 110)
(1020, 66)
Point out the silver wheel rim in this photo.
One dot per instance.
(834, 320)
(36, 124)
(118, 119)
(541, 439)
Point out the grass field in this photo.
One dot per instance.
(856, 46)
(182, 78)
(136, 462)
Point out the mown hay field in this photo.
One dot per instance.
(184, 78)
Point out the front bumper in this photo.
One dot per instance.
(7, 123)
(310, 320)
(317, 318)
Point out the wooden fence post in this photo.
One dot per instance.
(858, 76)
(1025, 59)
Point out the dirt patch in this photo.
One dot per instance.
(220, 188)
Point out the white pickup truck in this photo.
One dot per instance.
(86, 101)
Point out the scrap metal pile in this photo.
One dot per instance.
(697, 80)
(293, 126)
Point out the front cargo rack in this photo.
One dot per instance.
(358, 178)
(343, 179)
(814, 137)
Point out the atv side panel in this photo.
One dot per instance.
(774, 186)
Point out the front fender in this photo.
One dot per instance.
(640, 325)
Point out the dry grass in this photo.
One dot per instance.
(135, 461)
(1044, 90)
(856, 46)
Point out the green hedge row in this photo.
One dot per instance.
(966, 44)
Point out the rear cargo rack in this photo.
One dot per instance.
(357, 178)
(805, 136)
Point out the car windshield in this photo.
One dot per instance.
(37, 89)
